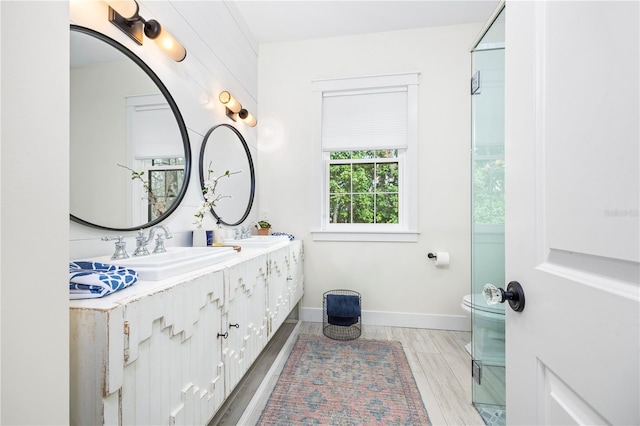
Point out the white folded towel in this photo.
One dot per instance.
(89, 280)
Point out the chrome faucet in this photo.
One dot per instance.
(245, 231)
(121, 247)
(142, 241)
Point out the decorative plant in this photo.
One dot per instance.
(157, 205)
(263, 224)
(209, 193)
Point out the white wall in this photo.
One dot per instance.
(399, 285)
(220, 56)
(34, 163)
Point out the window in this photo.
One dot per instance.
(365, 138)
(363, 186)
(164, 178)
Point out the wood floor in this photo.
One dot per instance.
(438, 360)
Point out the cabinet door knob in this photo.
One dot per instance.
(225, 335)
(236, 325)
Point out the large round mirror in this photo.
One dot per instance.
(129, 150)
(224, 149)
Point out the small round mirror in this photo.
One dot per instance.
(224, 149)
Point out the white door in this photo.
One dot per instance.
(572, 234)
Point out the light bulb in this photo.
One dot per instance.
(126, 8)
(230, 102)
(170, 45)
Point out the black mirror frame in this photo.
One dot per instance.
(179, 120)
(251, 170)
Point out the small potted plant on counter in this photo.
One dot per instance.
(263, 227)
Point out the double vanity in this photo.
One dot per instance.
(171, 348)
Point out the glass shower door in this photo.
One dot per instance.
(487, 322)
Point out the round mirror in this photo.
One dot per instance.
(129, 150)
(224, 149)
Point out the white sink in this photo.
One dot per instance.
(259, 241)
(177, 260)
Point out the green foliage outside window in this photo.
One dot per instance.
(363, 187)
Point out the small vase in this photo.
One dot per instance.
(263, 231)
(199, 238)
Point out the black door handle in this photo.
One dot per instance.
(514, 294)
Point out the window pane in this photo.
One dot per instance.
(387, 208)
(387, 153)
(340, 155)
(174, 181)
(387, 177)
(339, 178)
(157, 182)
(339, 208)
(363, 175)
(363, 205)
(363, 154)
(364, 192)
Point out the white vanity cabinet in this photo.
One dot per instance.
(156, 353)
(173, 371)
(150, 360)
(244, 317)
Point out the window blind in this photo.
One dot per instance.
(155, 132)
(365, 120)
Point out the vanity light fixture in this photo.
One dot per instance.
(124, 14)
(234, 110)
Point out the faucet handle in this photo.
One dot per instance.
(141, 245)
(121, 247)
(160, 243)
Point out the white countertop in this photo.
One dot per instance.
(144, 288)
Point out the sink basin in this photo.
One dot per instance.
(259, 241)
(177, 260)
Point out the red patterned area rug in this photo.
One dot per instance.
(357, 382)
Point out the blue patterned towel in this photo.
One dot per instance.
(276, 234)
(94, 279)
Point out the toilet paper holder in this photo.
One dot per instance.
(441, 259)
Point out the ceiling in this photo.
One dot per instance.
(277, 21)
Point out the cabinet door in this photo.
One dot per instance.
(173, 371)
(296, 273)
(277, 287)
(245, 317)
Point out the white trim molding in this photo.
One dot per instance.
(407, 229)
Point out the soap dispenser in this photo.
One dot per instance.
(218, 235)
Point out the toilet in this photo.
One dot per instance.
(487, 327)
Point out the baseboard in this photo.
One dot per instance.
(399, 319)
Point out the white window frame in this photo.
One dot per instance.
(407, 228)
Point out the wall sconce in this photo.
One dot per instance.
(124, 14)
(234, 110)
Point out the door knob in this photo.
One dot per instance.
(514, 294)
